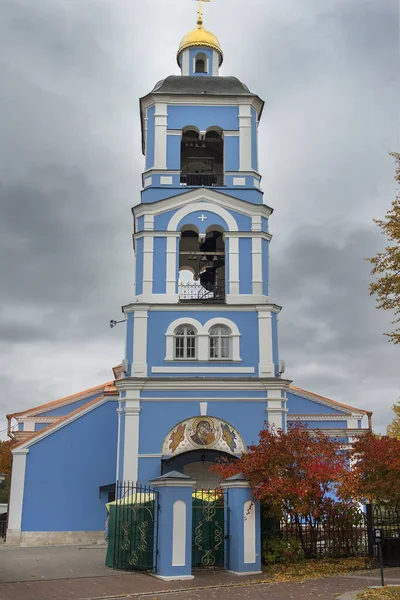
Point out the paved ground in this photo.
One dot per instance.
(74, 573)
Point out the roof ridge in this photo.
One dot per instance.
(60, 420)
(352, 408)
(61, 401)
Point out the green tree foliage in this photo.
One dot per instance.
(386, 265)
(394, 428)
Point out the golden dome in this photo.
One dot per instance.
(200, 37)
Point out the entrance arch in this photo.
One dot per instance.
(196, 464)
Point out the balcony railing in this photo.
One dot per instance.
(202, 179)
(195, 292)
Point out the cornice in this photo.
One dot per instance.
(199, 383)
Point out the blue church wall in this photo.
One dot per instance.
(148, 469)
(264, 224)
(139, 266)
(298, 405)
(203, 117)
(68, 467)
(20, 427)
(325, 424)
(173, 152)
(203, 395)
(156, 420)
(140, 223)
(153, 194)
(254, 144)
(265, 266)
(150, 137)
(231, 152)
(40, 426)
(275, 348)
(161, 220)
(247, 417)
(192, 55)
(68, 408)
(129, 339)
(158, 322)
(159, 265)
(245, 266)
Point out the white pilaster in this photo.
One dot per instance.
(266, 366)
(233, 265)
(256, 252)
(276, 409)
(215, 62)
(160, 136)
(131, 439)
(139, 366)
(16, 496)
(245, 137)
(171, 259)
(148, 251)
(185, 62)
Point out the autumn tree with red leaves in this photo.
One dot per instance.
(375, 473)
(5, 467)
(295, 474)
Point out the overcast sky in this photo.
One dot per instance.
(71, 73)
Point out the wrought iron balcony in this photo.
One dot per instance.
(202, 179)
(195, 292)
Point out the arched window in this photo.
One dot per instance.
(220, 342)
(185, 342)
(200, 63)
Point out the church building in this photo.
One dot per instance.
(202, 371)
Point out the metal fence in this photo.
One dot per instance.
(3, 528)
(210, 530)
(132, 528)
(194, 292)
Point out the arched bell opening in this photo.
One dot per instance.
(202, 157)
(202, 266)
(197, 464)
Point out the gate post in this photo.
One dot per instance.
(174, 552)
(244, 542)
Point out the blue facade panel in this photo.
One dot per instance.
(158, 322)
(154, 194)
(265, 267)
(193, 52)
(325, 424)
(40, 426)
(139, 266)
(203, 117)
(254, 144)
(71, 464)
(245, 266)
(173, 152)
(161, 221)
(159, 265)
(264, 224)
(231, 149)
(150, 137)
(140, 223)
(68, 408)
(298, 405)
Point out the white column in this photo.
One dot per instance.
(266, 366)
(245, 137)
(185, 62)
(160, 136)
(16, 496)
(215, 62)
(256, 251)
(131, 440)
(233, 265)
(139, 366)
(171, 264)
(148, 251)
(277, 408)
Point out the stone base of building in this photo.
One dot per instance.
(54, 538)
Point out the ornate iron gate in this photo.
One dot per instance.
(210, 530)
(132, 528)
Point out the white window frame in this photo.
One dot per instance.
(202, 56)
(185, 336)
(217, 335)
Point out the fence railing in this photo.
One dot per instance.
(132, 528)
(3, 529)
(194, 292)
(202, 179)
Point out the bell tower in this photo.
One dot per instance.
(201, 327)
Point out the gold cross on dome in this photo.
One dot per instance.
(200, 11)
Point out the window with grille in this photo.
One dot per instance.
(220, 342)
(185, 342)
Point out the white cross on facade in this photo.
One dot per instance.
(202, 218)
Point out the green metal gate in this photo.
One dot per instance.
(132, 528)
(210, 530)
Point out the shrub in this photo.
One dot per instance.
(280, 551)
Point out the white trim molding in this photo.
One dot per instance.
(205, 370)
(16, 496)
(202, 206)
